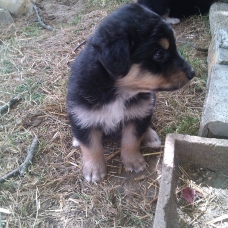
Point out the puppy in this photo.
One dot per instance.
(130, 56)
(177, 8)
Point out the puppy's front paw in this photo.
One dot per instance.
(94, 171)
(134, 162)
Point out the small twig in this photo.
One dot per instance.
(154, 200)
(218, 219)
(84, 41)
(21, 170)
(142, 177)
(153, 153)
(112, 155)
(194, 46)
(79, 45)
(5, 108)
(37, 207)
(40, 22)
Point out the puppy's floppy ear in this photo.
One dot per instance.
(115, 57)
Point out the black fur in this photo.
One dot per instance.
(178, 8)
(158, 6)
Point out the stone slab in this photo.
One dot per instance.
(218, 17)
(218, 50)
(5, 17)
(214, 121)
(207, 153)
(222, 46)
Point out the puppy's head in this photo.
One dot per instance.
(137, 48)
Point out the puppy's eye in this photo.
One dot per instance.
(159, 56)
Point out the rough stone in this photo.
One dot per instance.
(17, 7)
(214, 122)
(208, 153)
(218, 17)
(5, 17)
(218, 50)
(222, 46)
(223, 39)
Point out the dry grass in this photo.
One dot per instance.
(33, 66)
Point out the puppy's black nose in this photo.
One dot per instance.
(191, 75)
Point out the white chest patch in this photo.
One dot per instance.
(110, 116)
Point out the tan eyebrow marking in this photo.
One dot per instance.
(164, 42)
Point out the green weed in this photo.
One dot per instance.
(33, 30)
(7, 67)
(77, 19)
(30, 91)
(186, 125)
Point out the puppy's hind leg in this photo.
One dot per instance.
(151, 138)
(172, 21)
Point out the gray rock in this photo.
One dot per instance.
(5, 17)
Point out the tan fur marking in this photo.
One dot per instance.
(130, 150)
(137, 80)
(164, 42)
(144, 81)
(130, 143)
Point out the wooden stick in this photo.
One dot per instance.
(79, 45)
(203, 49)
(40, 22)
(22, 169)
(5, 108)
(112, 155)
(154, 200)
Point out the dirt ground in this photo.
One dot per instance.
(34, 66)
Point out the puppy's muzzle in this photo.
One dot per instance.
(191, 75)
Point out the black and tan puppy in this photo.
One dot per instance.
(113, 81)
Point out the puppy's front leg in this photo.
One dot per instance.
(130, 149)
(94, 167)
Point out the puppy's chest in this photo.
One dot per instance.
(110, 116)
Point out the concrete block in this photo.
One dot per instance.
(214, 121)
(218, 50)
(222, 46)
(223, 39)
(218, 17)
(206, 153)
(5, 17)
